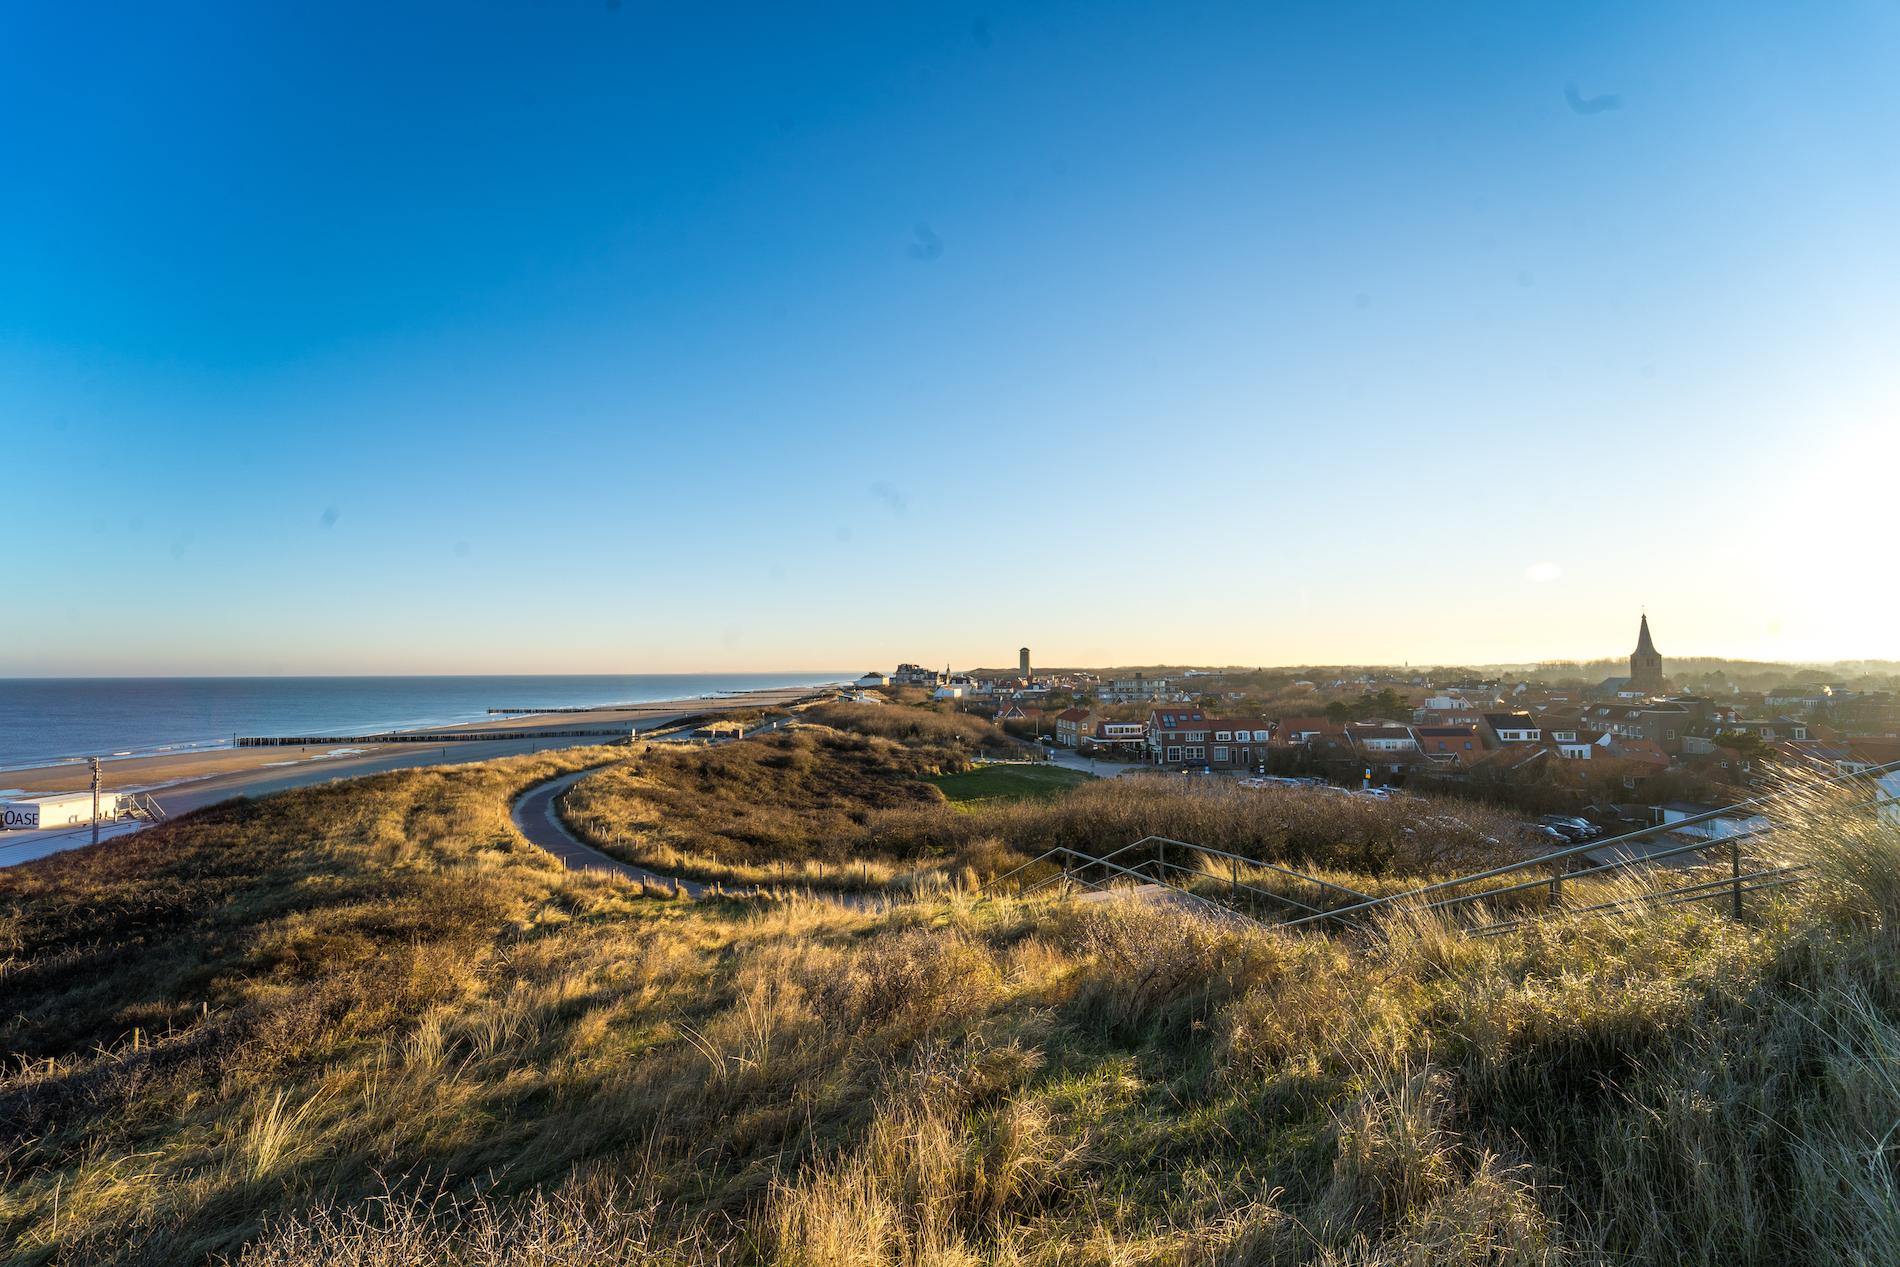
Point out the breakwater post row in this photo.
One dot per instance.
(416, 736)
(564, 709)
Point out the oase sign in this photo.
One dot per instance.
(15, 816)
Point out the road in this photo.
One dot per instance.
(182, 798)
(535, 818)
(1069, 759)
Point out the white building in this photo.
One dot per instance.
(56, 809)
(1133, 690)
(1127, 734)
(1719, 828)
(917, 675)
(1514, 727)
(1377, 738)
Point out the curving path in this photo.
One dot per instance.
(536, 819)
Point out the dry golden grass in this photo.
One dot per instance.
(850, 809)
(367, 1024)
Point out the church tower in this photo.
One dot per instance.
(1646, 667)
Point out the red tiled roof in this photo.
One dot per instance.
(1645, 750)
(1874, 751)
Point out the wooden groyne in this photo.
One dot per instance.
(603, 708)
(417, 736)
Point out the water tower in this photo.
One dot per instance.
(1022, 664)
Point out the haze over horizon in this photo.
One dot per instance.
(604, 338)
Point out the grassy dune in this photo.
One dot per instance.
(367, 1024)
(1006, 783)
(886, 799)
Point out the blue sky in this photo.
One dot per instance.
(581, 337)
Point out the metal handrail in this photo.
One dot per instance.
(1146, 879)
(1732, 841)
(1252, 862)
(1560, 855)
(1661, 855)
(1735, 883)
(1047, 854)
(1067, 876)
(1236, 884)
(1707, 890)
(1185, 844)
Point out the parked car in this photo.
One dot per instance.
(1570, 828)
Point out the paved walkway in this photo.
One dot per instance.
(535, 816)
(1069, 759)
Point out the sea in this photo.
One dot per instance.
(49, 720)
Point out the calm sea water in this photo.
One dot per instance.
(52, 719)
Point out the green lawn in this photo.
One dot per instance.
(1008, 782)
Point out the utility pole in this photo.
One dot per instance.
(95, 800)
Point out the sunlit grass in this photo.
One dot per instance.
(903, 810)
(1008, 783)
(374, 1026)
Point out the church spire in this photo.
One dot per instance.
(1646, 663)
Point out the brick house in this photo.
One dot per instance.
(1187, 736)
(1177, 735)
(1071, 725)
(1239, 743)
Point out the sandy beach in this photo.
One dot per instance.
(183, 781)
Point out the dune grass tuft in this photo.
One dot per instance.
(368, 1024)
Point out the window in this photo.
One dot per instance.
(1174, 754)
(1196, 753)
(1223, 735)
(1220, 754)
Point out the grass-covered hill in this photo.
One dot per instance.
(887, 798)
(367, 1024)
